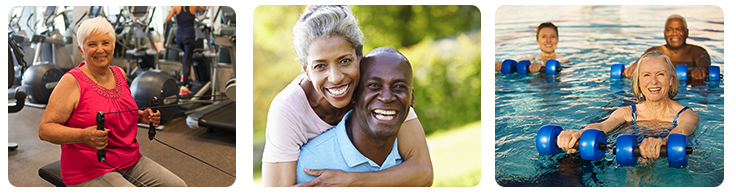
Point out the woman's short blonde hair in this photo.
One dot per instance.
(672, 71)
(96, 25)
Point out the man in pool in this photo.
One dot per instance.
(365, 139)
(675, 34)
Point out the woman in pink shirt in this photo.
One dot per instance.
(70, 119)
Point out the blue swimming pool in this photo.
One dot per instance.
(597, 37)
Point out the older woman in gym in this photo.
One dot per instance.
(547, 37)
(329, 45)
(70, 119)
(655, 84)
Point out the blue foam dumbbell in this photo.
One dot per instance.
(508, 66)
(676, 151)
(523, 67)
(592, 143)
(714, 73)
(552, 67)
(617, 71)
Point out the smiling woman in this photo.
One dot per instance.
(547, 38)
(654, 84)
(330, 46)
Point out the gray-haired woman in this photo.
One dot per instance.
(329, 44)
(655, 84)
(70, 119)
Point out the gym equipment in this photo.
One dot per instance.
(101, 126)
(617, 71)
(220, 115)
(52, 173)
(714, 73)
(154, 83)
(592, 143)
(50, 62)
(676, 151)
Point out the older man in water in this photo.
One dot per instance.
(675, 34)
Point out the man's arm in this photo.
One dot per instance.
(702, 62)
(629, 71)
(416, 170)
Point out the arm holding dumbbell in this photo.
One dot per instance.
(567, 139)
(686, 124)
(702, 61)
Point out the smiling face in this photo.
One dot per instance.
(655, 79)
(97, 49)
(547, 39)
(384, 94)
(333, 67)
(675, 32)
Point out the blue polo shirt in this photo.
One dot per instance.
(333, 150)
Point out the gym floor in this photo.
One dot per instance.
(216, 148)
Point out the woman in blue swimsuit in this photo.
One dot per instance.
(655, 84)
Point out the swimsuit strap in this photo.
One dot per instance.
(674, 122)
(633, 113)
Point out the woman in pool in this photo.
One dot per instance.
(655, 84)
(547, 37)
(328, 42)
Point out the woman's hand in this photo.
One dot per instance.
(327, 177)
(147, 116)
(567, 139)
(535, 67)
(499, 64)
(96, 139)
(649, 148)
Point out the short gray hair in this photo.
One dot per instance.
(676, 16)
(674, 84)
(324, 21)
(98, 25)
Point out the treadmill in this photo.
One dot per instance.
(221, 115)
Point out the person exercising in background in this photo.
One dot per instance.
(675, 34)
(547, 38)
(185, 38)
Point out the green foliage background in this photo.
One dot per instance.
(442, 43)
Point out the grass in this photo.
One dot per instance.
(455, 157)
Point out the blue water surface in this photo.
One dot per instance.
(597, 37)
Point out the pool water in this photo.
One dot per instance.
(582, 93)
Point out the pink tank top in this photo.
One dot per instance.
(79, 161)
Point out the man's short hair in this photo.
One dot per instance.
(676, 16)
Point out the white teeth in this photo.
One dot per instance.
(384, 114)
(655, 89)
(339, 91)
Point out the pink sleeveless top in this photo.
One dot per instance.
(79, 161)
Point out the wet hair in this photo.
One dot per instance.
(324, 21)
(676, 16)
(95, 25)
(674, 83)
(547, 24)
